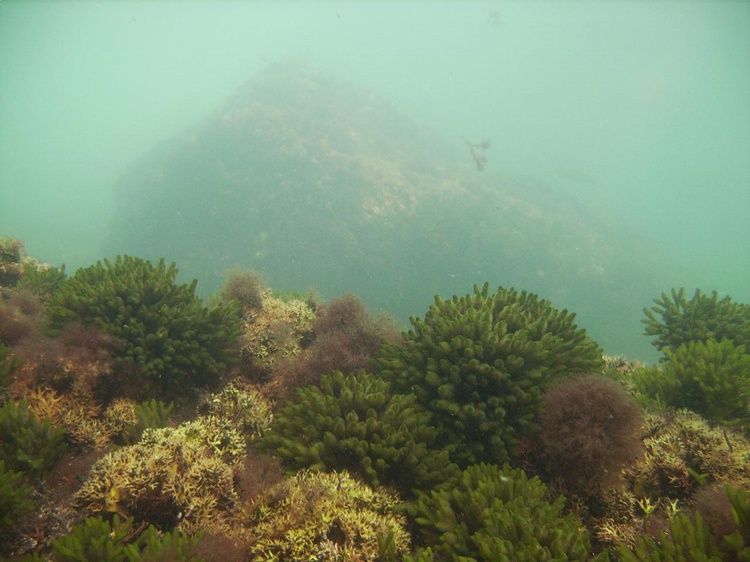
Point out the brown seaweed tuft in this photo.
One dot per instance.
(590, 430)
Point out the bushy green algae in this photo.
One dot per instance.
(164, 333)
(479, 364)
(354, 422)
(709, 378)
(701, 318)
(490, 514)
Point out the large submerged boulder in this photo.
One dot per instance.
(318, 183)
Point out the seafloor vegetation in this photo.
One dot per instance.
(138, 422)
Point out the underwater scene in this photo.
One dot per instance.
(374, 281)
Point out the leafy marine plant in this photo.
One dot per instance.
(739, 540)
(480, 363)
(489, 514)
(15, 497)
(710, 378)
(26, 444)
(688, 539)
(98, 539)
(165, 334)
(696, 320)
(149, 414)
(354, 423)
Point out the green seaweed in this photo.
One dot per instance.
(9, 364)
(15, 497)
(164, 332)
(98, 539)
(696, 320)
(490, 514)
(41, 281)
(354, 423)
(480, 363)
(739, 541)
(150, 414)
(688, 539)
(26, 444)
(710, 378)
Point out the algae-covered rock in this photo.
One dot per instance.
(480, 363)
(316, 182)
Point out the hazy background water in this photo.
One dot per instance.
(639, 110)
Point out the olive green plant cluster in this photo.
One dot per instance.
(701, 318)
(690, 538)
(163, 330)
(98, 539)
(26, 444)
(149, 414)
(15, 498)
(480, 363)
(489, 514)
(708, 377)
(353, 422)
(739, 540)
(325, 516)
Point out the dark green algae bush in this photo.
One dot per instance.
(164, 334)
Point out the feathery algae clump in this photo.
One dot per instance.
(710, 378)
(165, 334)
(488, 513)
(479, 365)
(698, 319)
(353, 422)
(590, 430)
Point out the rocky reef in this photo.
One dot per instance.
(315, 182)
